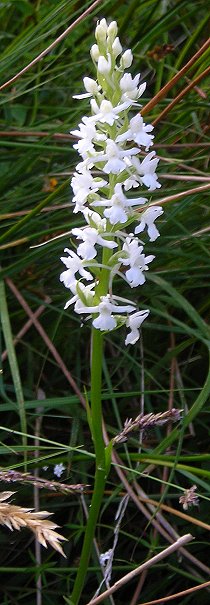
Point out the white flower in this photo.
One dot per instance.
(58, 469)
(84, 147)
(117, 208)
(87, 133)
(83, 184)
(138, 262)
(116, 157)
(131, 182)
(106, 307)
(86, 292)
(106, 113)
(91, 237)
(137, 132)
(146, 170)
(91, 87)
(130, 88)
(74, 264)
(134, 322)
(115, 163)
(105, 320)
(147, 219)
(95, 220)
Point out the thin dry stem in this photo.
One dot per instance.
(181, 194)
(175, 512)
(135, 572)
(51, 46)
(17, 517)
(27, 326)
(164, 91)
(165, 529)
(47, 340)
(69, 137)
(181, 95)
(183, 593)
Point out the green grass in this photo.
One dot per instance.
(172, 363)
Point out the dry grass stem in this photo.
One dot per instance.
(171, 597)
(52, 45)
(17, 517)
(135, 572)
(46, 339)
(164, 91)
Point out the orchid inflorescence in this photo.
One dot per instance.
(110, 168)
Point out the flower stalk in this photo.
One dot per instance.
(109, 143)
(100, 461)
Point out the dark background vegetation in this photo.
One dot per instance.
(36, 164)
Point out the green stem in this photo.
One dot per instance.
(100, 471)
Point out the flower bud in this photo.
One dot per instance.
(112, 30)
(104, 65)
(91, 85)
(116, 47)
(94, 52)
(126, 59)
(101, 31)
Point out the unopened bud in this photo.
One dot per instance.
(90, 85)
(104, 65)
(94, 52)
(126, 59)
(116, 47)
(112, 30)
(101, 31)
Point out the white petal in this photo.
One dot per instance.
(134, 322)
(85, 95)
(86, 250)
(132, 337)
(135, 277)
(115, 215)
(153, 232)
(114, 165)
(105, 322)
